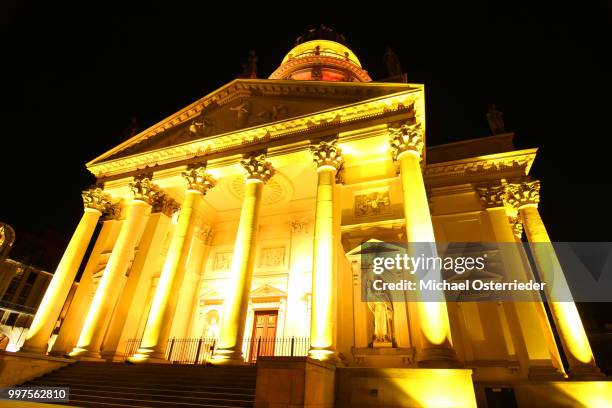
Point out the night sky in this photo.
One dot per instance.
(73, 79)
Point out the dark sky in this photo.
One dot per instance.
(73, 78)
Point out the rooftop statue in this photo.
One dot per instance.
(392, 62)
(249, 69)
(496, 120)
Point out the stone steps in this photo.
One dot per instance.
(103, 384)
(83, 383)
(156, 381)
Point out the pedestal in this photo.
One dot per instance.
(294, 382)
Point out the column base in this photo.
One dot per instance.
(139, 359)
(148, 355)
(33, 350)
(585, 372)
(108, 355)
(58, 353)
(85, 354)
(227, 357)
(545, 373)
(325, 355)
(438, 357)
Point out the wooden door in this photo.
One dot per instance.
(264, 333)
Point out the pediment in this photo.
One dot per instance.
(267, 291)
(245, 104)
(211, 294)
(375, 246)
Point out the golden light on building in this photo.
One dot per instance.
(215, 223)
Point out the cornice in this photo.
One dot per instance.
(329, 120)
(516, 162)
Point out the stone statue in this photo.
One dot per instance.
(201, 126)
(212, 325)
(273, 114)
(249, 70)
(392, 62)
(131, 129)
(496, 120)
(382, 309)
(242, 112)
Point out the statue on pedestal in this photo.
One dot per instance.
(379, 303)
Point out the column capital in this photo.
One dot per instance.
(164, 204)
(257, 168)
(144, 189)
(95, 198)
(406, 138)
(491, 195)
(327, 154)
(522, 193)
(113, 211)
(198, 179)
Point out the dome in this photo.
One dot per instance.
(321, 55)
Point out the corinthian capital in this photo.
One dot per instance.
(198, 179)
(406, 138)
(327, 154)
(113, 211)
(95, 198)
(523, 193)
(257, 168)
(164, 204)
(144, 189)
(492, 196)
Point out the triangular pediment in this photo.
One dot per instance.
(211, 294)
(246, 104)
(374, 246)
(267, 291)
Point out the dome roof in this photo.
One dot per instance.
(321, 55)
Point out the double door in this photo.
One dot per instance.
(264, 334)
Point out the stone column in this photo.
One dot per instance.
(155, 337)
(229, 346)
(436, 347)
(525, 196)
(104, 300)
(543, 360)
(328, 159)
(96, 202)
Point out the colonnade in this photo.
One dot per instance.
(406, 145)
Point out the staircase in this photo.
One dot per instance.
(94, 384)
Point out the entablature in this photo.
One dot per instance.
(513, 164)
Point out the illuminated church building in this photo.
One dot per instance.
(242, 216)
